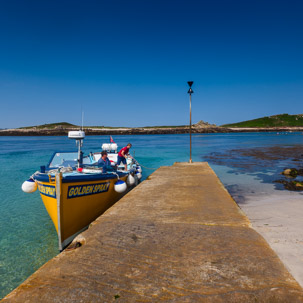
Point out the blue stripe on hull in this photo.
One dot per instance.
(80, 177)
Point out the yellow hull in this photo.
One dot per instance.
(76, 204)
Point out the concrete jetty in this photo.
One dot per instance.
(177, 237)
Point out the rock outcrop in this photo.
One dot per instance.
(202, 124)
(292, 173)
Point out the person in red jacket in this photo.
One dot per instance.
(122, 155)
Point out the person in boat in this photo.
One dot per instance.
(122, 155)
(104, 163)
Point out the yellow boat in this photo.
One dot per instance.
(75, 192)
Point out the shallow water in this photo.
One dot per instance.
(28, 238)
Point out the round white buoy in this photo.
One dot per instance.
(120, 186)
(130, 180)
(29, 186)
(139, 169)
(139, 175)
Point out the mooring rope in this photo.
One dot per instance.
(142, 165)
(147, 167)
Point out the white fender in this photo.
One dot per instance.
(139, 169)
(136, 179)
(29, 186)
(130, 180)
(120, 186)
(139, 175)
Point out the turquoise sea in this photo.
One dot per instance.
(27, 236)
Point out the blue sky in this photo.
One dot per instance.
(127, 63)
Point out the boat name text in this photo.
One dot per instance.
(47, 190)
(85, 190)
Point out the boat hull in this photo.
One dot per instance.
(74, 204)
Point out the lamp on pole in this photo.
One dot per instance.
(190, 91)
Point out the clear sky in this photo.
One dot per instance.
(127, 63)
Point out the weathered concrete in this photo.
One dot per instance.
(178, 237)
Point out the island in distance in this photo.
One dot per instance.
(277, 123)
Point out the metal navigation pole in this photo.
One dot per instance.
(190, 91)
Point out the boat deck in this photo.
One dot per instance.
(177, 237)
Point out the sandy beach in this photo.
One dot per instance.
(278, 218)
(274, 212)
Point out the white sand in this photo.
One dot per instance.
(279, 219)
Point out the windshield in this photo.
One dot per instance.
(64, 159)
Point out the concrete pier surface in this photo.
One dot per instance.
(177, 237)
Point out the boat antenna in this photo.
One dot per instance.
(82, 118)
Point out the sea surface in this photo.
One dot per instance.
(27, 236)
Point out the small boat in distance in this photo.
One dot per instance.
(75, 191)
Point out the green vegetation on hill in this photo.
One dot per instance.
(51, 125)
(64, 125)
(283, 120)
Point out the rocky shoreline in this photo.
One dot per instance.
(94, 132)
(141, 131)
